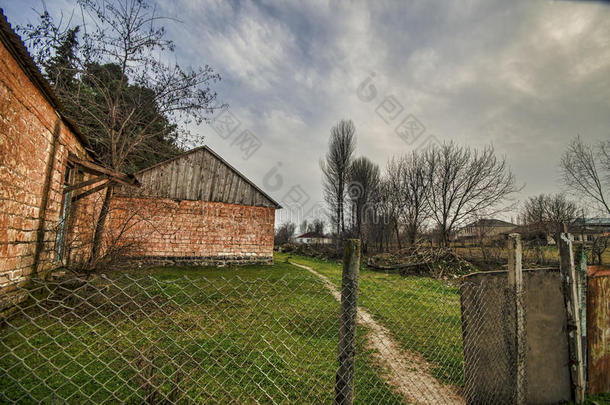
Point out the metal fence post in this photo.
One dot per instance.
(515, 281)
(344, 383)
(570, 288)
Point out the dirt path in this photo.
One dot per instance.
(406, 371)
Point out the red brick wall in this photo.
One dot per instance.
(192, 232)
(27, 128)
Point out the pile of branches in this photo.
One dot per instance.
(310, 250)
(419, 260)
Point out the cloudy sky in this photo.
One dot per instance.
(525, 76)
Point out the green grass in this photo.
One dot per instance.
(257, 333)
(423, 314)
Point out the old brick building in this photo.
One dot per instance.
(196, 209)
(192, 209)
(46, 170)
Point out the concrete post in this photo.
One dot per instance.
(515, 281)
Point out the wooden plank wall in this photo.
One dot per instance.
(598, 333)
(198, 176)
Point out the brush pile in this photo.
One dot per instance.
(419, 260)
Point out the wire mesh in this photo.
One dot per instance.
(269, 337)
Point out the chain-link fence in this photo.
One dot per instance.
(266, 335)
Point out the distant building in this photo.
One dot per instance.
(484, 229)
(313, 238)
(581, 229)
(588, 229)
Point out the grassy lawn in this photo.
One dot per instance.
(203, 335)
(423, 314)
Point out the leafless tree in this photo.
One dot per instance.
(544, 213)
(317, 226)
(409, 184)
(132, 225)
(394, 198)
(335, 168)
(304, 227)
(379, 225)
(586, 171)
(464, 182)
(599, 244)
(115, 85)
(364, 180)
(284, 233)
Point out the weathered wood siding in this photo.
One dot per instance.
(199, 175)
(598, 333)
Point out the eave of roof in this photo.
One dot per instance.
(216, 155)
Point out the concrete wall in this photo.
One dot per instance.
(165, 231)
(489, 338)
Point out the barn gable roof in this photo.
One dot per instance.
(200, 174)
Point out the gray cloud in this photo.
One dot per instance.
(525, 76)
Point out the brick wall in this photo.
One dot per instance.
(164, 231)
(34, 147)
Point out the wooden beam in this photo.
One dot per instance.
(85, 183)
(92, 168)
(91, 191)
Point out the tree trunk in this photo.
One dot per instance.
(99, 226)
(397, 234)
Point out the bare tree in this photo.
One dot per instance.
(316, 226)
(379, 225)
(304, 227)
(464, 182)
(544, 213)
(335, 169)
(394, 198)
(132, 226)
(599, 244)
(409, 184)
(586, 171)
(284, 233)
(364, 179)
(116, 87)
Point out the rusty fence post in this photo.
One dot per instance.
(515, 282)
(344, 382)
(570, 289)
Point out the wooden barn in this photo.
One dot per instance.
(195, 209)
